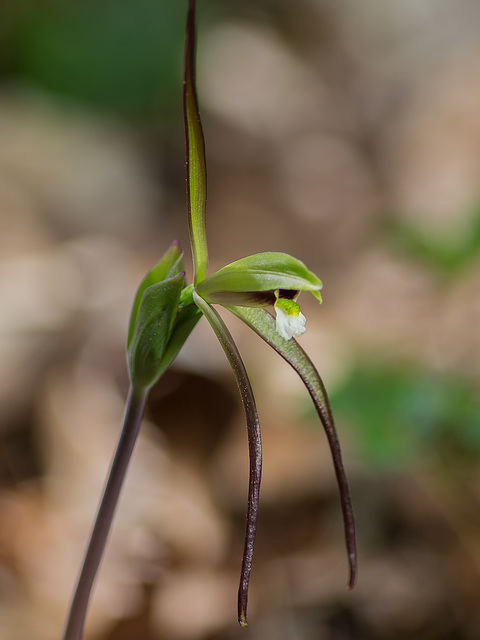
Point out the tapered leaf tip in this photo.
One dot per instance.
(352, 578)
(242, 619)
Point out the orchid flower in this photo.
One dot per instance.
(164, 313)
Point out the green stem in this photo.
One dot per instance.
(195, 156)
(131, 426)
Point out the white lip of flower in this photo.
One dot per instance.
(290, 320)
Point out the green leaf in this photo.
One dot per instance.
(195, 150)
(264, 325)
(185, 322)
(261, 272)
(152, 329)
(254, 447)
(170, 264)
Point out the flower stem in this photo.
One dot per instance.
(131, 426)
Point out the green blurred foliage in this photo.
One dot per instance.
(125, 55)
(448, 253)
(399, 413)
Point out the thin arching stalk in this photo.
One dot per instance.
(254, 447)
(93, 556)
(264, 325)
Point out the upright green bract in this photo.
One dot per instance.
(196, 166)
(165, 312)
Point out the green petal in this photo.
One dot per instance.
(185, 322)
(239, 281)
(195, 148)
(153, 325)
(170, 264)
(264, 325)
(254, 447)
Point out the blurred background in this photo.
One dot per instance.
(345, 133)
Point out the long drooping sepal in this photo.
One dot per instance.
(254, 446)
(195, 153)
(264, 325)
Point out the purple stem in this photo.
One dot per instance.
(93, 557)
